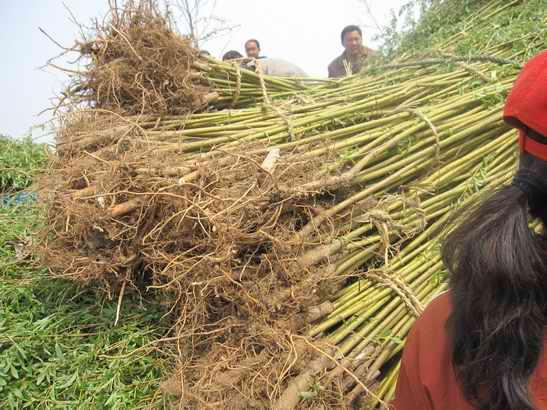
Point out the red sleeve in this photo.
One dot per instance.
(411, 394)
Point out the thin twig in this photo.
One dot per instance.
(54, 41)
(120, 298)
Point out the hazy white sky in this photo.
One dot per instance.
(305, 32)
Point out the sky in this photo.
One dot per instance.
(305, 32)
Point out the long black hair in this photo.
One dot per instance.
(498, 279)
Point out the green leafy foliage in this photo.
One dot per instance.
(424, 25)
(20, 160)
(419, 22)
(510, 26)
(59, 348)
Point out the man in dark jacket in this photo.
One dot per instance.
(252, 48)
(354, 56)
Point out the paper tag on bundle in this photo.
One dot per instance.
(269, 163)
(101, 201)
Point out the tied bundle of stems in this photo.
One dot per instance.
(366, 325)
(135, 63)
(189, 201)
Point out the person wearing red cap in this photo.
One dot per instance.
(483, 344)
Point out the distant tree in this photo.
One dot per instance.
(402, 21)
(200, 21)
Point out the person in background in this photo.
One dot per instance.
(252, 49)
(355, 54)
(232, 55)
(269, 66)
(277, 67)
(483, 344)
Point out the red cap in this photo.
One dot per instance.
(526, 106)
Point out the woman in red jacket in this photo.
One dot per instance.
(483, 345)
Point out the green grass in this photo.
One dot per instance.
(59, 348)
